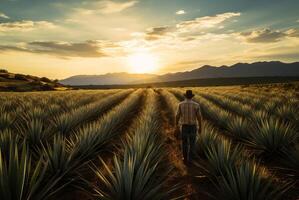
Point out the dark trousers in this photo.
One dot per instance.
(188, 141)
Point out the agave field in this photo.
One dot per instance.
(120, 145)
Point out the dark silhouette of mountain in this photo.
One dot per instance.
(106, 79)
(257, 69)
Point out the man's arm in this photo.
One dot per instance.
(199, 118)
(178, 116)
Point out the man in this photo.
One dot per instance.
(189, 117)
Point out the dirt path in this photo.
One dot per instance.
(191, 187)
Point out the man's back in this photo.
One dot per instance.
(189, 112)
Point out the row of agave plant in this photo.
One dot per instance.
(230, 168)
(67, 121)
(140, 171)
(12, 102)
(38, 126)
(284, 108)
(271, 136)
(57, 164)
(16, 110)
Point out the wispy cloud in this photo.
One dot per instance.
(2, 15)
(104, 7)
(90, 48)
(205, 22)
(267, 35)
(154, 33)
(187, 64)
(180, 12)
(191, 29)
(107, 7)
(25, 25)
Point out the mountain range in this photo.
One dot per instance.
(257, 69)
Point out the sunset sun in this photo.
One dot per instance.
(142, 63)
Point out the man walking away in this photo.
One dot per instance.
(189, 117)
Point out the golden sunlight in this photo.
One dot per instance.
(142, 63)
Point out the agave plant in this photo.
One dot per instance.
(207, 138)
(171, 100)
(130, 180)
(35, 133)
(249, 181)
(239, 128)
(35, 113)
(62, 166)
(258, 117)
(19, 178)
(271, 136)
(8, 139)
(221, 155)
(288, 113)
(6, 120)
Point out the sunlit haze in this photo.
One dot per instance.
(59, 39)
(143, 63)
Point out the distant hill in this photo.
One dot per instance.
(23, 83)
(107, 79)
(257, 69)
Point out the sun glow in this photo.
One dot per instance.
(143, 63)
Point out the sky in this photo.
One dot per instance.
(58, 39)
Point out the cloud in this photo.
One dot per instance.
(24, 25)
(104, 7)
(205, 22)
(180, 12)
(267, 35)
(107, 7)
(155, 33)
(2, 15)
(292, 32)
(90, 48)
(189, 30)
(190, 63)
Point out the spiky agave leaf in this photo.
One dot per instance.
(249, 181)
(207, 138)
(6, 120)
(239, 128)
(36, 113)
(272, 135)
(19, 179)
(7, 139)
(129, 180)
(288, 113)
(35, 133)
(221, 155)
(62, 165)
(258, 117)
(290, 159)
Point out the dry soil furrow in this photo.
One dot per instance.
(181, 174)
